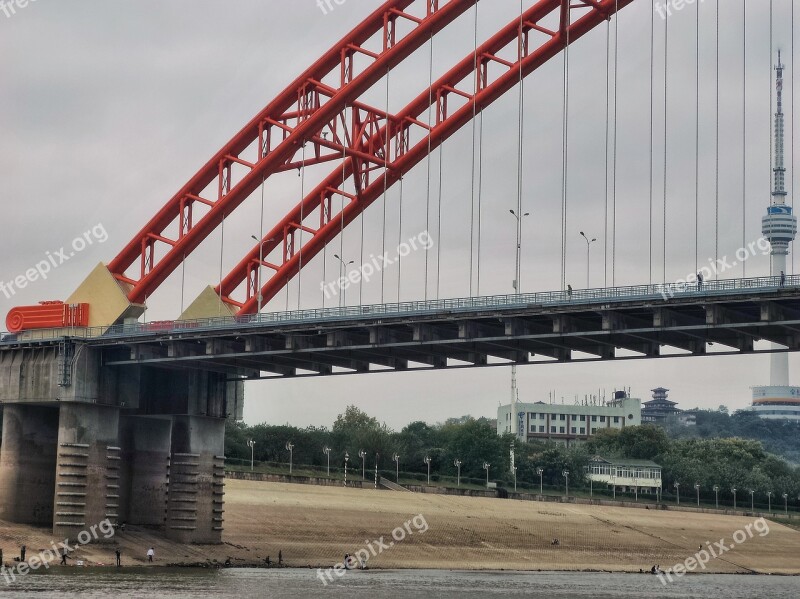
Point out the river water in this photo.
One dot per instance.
(185, 583)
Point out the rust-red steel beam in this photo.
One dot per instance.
(300, 113)
(394, 137)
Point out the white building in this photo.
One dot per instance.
(625, 474)
(567, 424)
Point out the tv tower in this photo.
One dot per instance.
(779, 227)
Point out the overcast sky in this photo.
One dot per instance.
(108, 108)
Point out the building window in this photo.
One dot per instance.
(583, 430)
(616, 419)
(583, 418)
(602, 418)
(561, 430)
(594, 418)
(562, 416)
(552, 429)
(533, 428)
(541, 429)
(594, 430)
(574, 430)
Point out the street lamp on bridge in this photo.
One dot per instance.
(697, 488)
(343, 300)
(588, 255)
(677, 486)
(486, 466)
(540, 472)
(716, 495)
(733, 490)
(396, 460)
(457, 464)
(427, 460)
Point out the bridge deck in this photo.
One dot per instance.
(593, 324)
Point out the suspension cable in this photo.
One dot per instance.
(400, 240)
(744, 133)
(474, 134)
(428, 161)
(385, 187)
(716, 169)
(302, 219)
(616, 133)
(342, 263)
(666, 146)
(564, 161)
(697, 143)
(520, 158)
(607, 139)
(652, 133)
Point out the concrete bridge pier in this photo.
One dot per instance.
(88, 469)
(28, 463)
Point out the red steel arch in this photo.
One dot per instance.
(300, 113)
(378, 148)
(378, 140)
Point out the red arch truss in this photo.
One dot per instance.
(381, 148)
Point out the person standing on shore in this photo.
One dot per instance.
(151, 553)
(117, 554)
(22, 553)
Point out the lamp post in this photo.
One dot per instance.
(327, 451)
(565, 474)
(363, 455)
(769, 502)
(515, 478)
(396, 460)
(677, 486)
(251, 444)
(786, 503)
(752, 500)
(290, 449)
(344, 268)
(697, 488)
(346, 459)
(588, 255)
(428, 462)
(457, 464)
(636, 489)
(260, 264)
(734, 497)
(486, 466)
(518, 257)
(540, 472)
(716, 495)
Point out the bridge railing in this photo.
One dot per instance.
(609, 295)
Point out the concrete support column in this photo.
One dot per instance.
(28, 464)
(148, 441)
(88, 472)
(195, 505)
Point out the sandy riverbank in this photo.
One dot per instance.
(316, 526)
